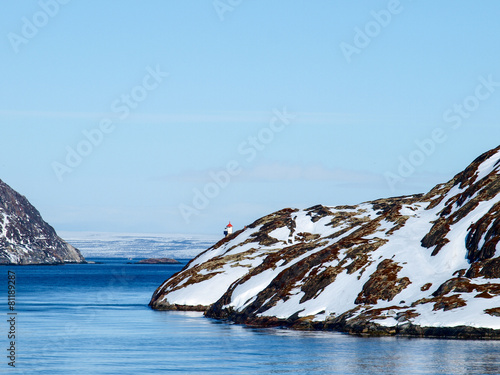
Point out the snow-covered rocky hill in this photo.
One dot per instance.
(422, 265)
(25, 238)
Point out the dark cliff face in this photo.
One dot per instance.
(25, 238)
(390, 266)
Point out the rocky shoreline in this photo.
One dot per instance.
(354, 327)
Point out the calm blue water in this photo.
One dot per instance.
(94, 319)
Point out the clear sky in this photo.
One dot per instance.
(177, 116)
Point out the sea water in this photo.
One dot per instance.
(95, 319)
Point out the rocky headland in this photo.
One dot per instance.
(25, 238)
(426, 265)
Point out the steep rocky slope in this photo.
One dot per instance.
(25, 238)
(422, 265)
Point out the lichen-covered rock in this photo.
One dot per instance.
(383, 284)
(25, 238)
(421, 265)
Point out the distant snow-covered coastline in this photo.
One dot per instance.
(138, 245)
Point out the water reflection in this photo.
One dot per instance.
(335, 353)
(71, 331)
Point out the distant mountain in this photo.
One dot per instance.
(421, 265)
(25, 238)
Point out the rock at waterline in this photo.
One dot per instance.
(158, 261)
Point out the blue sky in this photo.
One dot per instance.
(178, 116)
